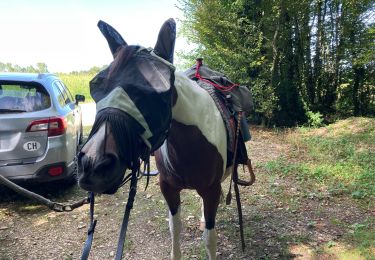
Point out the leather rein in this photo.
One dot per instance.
(133, 178)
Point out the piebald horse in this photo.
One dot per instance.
(191, 155)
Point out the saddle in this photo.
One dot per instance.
(232, 100)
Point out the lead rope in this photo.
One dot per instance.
(56, 206)
(125, 221)
(91, 230)
(129, 206)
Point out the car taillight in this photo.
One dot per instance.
(55, 171)
(54, 125)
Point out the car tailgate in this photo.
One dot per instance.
(16, 144)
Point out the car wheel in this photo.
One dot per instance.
(72, 180)
(80, 139)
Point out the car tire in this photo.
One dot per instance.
(72, 180)
(80, 139)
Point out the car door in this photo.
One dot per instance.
(77, 115)
(67, 108)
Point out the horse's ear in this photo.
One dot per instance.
(114, 39)
(167, 36)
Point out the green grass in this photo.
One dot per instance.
(339, 157)
(338, 160)
(364, 238)
(78, 83)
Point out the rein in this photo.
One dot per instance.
(124, 226)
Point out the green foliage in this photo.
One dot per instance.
(321, 52)
(314, 119)
(9, 67)
(78, 83)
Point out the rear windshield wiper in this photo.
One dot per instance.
(7, 110)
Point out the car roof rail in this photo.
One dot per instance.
(44, 75)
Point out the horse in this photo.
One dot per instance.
(190, 149)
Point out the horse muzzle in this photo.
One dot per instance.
(102, 175)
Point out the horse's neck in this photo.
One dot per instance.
(194, 106)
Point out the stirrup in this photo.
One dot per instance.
(251, 173)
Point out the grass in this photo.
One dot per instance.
(337, 160)
(363, 237)
(78, 83)
(339, 157)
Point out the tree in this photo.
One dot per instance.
(301, 58)
(9, 67)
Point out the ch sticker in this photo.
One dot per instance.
(31, 146)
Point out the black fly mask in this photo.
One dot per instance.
(134, 93)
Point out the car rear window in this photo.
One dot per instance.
(23, 97)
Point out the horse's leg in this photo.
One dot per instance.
(202, 223)
(172, 196)
(211, 199)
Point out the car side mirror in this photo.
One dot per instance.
(79, 98)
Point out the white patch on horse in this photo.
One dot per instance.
(202, 223)
(165, 156)
(210, 241)
(195, 106)
(92, 147)
(175, 226)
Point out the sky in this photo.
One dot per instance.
(63, 33)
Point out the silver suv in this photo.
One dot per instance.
(40, 128)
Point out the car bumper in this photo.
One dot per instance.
(57, 155)
(41, 175)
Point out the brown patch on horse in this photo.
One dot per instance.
(193, 159)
